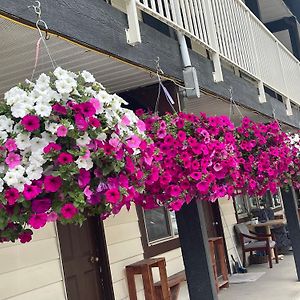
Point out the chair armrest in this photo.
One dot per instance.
(260, 234)
(257, 238)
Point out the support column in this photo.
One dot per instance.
(195, 251)
(291, 212)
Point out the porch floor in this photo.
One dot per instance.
(278, 283)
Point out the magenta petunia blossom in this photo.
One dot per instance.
(87, 109)
(37, 221)
(11, 195)
(83, 178)
(41, 205)
(52, 183)
(31, 123)
(94, 122)
(13, 160)
(112, 196)
(68, 211)
(64, 158)
(25, 236)
(31, 191)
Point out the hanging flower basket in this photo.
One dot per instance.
(196, 158)
(265, 157)
(68, 150)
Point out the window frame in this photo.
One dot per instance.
(156, 247)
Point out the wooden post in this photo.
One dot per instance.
(195, 250)
(291, 213)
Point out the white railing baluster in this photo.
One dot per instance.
(160, 7)
(184, 15)
(212, 34)
(153, 5)
(167, 8)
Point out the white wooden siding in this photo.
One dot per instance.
(125, 247)
(33, 270)
(228, 216)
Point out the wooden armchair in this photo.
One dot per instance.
(252, 241)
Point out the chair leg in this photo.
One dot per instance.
(244, 259)
(276, 254)
(270, 258)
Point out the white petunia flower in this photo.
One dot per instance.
(10, 178)
(63, 87)
(102, 136)
(104, 97)
(43, 109)
(83, 140)
(6, 124)
(21, 182)
(21, 109)
(23, 141)
(14, 95)
(38, 145)
(52, 127)
(1, 185)
(18, 170)
(86, 164)
(34, 172)
(43, 80)
(3, 136)
(88, 77)
(48, 137)
(37, 160)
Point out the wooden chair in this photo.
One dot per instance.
(252, 241)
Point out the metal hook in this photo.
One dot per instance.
(37, 9)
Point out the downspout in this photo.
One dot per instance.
(191, 83)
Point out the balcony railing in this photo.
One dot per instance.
(228, 29)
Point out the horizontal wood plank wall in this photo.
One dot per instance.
(125, 247)
(33, 270)
(229, 216)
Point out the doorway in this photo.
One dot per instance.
(85, 261)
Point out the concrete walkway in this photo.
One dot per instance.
(279, 283)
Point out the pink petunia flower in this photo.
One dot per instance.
(68, 211)
(62, 131)
(112, 195)
(175, 190)
(94, 122)
(31, 123)
(125, 121)
(141, 125)
(12, 195)
(52, 217)
(13, 160)
(59, 109)
(52, 183)
(64, 158)
(80, 122)
(11, 145)
(38, 220)
(134, 142)
(96, 103)
(52, 147)
(31, 191)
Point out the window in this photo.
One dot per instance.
(245, 205)
(159, 231)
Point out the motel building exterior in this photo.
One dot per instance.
(233, 57)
